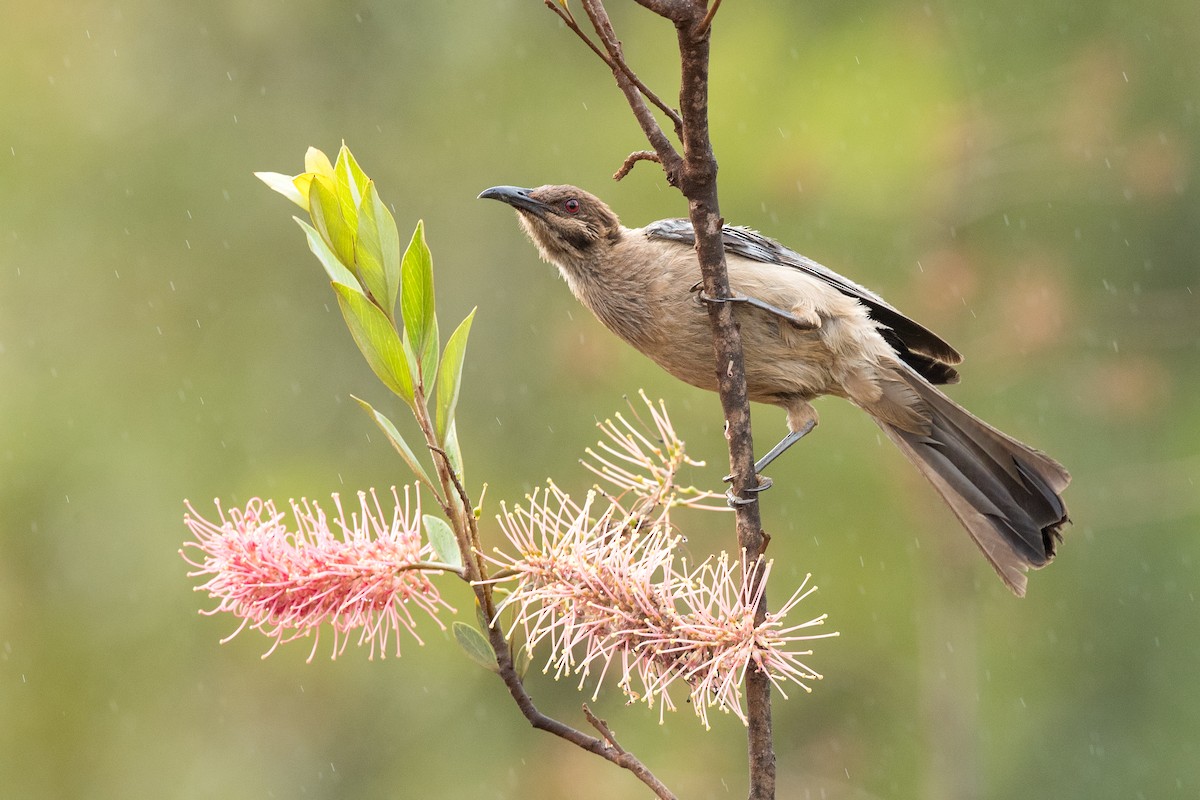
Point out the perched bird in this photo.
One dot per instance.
(806, 332)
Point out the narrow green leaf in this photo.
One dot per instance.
(429, 358)
(454, 452)
(480, 617)
(285, 185)
(445, 546)
(449, 377)
(416, 298)
(329, 219)
(523, 659)
(368, 254)
(475, 645)
(350, 183)
(377, 340)
(389, 246)
(337, 272)
(397, 441)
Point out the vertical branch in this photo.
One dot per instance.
(699, 185)
(695, 174)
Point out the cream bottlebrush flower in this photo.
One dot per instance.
(287, 583)
(607, 594)
(604, 588)
(646, 463)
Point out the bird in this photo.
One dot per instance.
(806, 332)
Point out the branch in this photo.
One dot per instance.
(695, 174)
(475, 570)
(706, 23)
(615, 62)
(633, 158)
(668, 156)
(606, 748)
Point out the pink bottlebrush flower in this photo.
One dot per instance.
(287, 583)
(604, 592)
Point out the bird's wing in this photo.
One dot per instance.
(920, 347)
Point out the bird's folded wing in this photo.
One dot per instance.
(912, 341)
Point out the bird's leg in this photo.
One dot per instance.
(784, 443)
(775, 452)
(762, 305)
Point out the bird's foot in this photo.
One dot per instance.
(808, 322)
(734, 501)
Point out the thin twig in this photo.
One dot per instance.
(633, 158)
(706, 23)
(569, 20)
(615, 60)
(431, 566)
(602, 726)
(669, 157)
(605, 748)
(475, 569)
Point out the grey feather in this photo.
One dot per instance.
(916, 345)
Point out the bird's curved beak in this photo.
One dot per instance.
(516, 197)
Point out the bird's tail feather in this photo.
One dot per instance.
(1006, 494)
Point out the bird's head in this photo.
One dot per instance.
(565, 222)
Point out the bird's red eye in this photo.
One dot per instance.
(571, 206)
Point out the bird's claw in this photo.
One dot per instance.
(734, 501)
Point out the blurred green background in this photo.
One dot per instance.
(1021, 179)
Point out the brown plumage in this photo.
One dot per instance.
(807, 332)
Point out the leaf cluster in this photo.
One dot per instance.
(386, 296)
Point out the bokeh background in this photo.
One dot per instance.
(1023, 179)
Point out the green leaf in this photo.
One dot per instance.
(389, 246)
(317, 162)
(335, 269)
(522, 660)
(454, 454)
(377, 340)
(416, 302)
(449, 377)
(480, 617)
(351, 181)
(303, 184)
(475, 645)
(285, 185)
(445, 546)
(369, 256)
(393, 436)
(329, 219)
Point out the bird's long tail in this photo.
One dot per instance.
(1005, 493)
